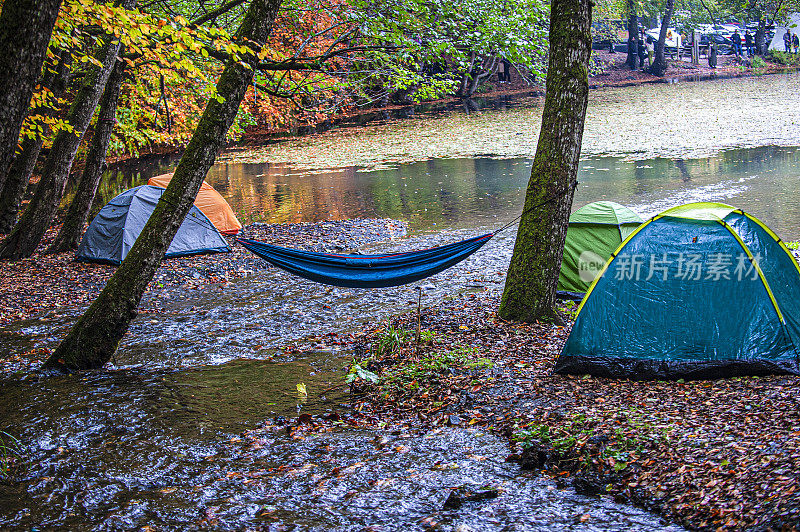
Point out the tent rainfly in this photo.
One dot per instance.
(595, 231)
(703, 290)
(210, 202)
(113, 231)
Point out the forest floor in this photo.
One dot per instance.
(47, 286)
(705, 454)
(719, 454)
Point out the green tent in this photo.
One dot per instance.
(595, 231)
(699, 291)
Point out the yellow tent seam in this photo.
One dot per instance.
(757, 267)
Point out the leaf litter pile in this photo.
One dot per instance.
(707, 454)
(637, 122)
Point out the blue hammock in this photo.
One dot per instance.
(366, 271)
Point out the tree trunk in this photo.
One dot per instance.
(70, 234)
(25, 29)
(466, 77)
(633, 35)
(761, 37)
(530, 288)
(95, 337)
(34, 222)
(479, 76)
(17, 182)
(19, 175)
(659, 66)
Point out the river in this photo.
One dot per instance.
(179, 432)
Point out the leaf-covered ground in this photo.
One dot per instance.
(707, 454)
(52, 284)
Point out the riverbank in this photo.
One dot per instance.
(717, 454)
(611, 71)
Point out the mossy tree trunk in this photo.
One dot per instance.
(33, 223)
(761, 37)
(659, 66)
(70, 234)
(95, 337)
(633, 36)
(530, 289)
(17, 180)
(25, 29)
(19, 174)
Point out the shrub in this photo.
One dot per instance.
(758, 62)
(784, 58)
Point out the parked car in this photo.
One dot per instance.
(720, 35)
(673, 37)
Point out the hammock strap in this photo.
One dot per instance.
(547, 200)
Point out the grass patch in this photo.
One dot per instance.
(569, 309)
(615, 440)
(434, 372)
(9, 451)
(430, 368)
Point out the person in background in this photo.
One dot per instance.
(736, 40)
(748, 43)
(787, 40)
(642, 53)
(795, 42)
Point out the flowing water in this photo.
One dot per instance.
(178, 434)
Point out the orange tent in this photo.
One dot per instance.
(210, 203)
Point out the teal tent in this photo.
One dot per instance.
(595, 231)
(118, 224)
(703, 290)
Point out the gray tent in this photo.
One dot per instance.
(113, 231)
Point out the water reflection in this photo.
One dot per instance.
(470, 192)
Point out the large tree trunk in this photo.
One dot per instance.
(530, 288)
(19, 175)
(70, 234)
(633, 36)
(25, 28)
(33, 224)
(659, 66)
(761, 37)
(95, 337)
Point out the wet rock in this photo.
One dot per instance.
(590, 483)
(534, 457)
(453, 420)
(462, 494)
